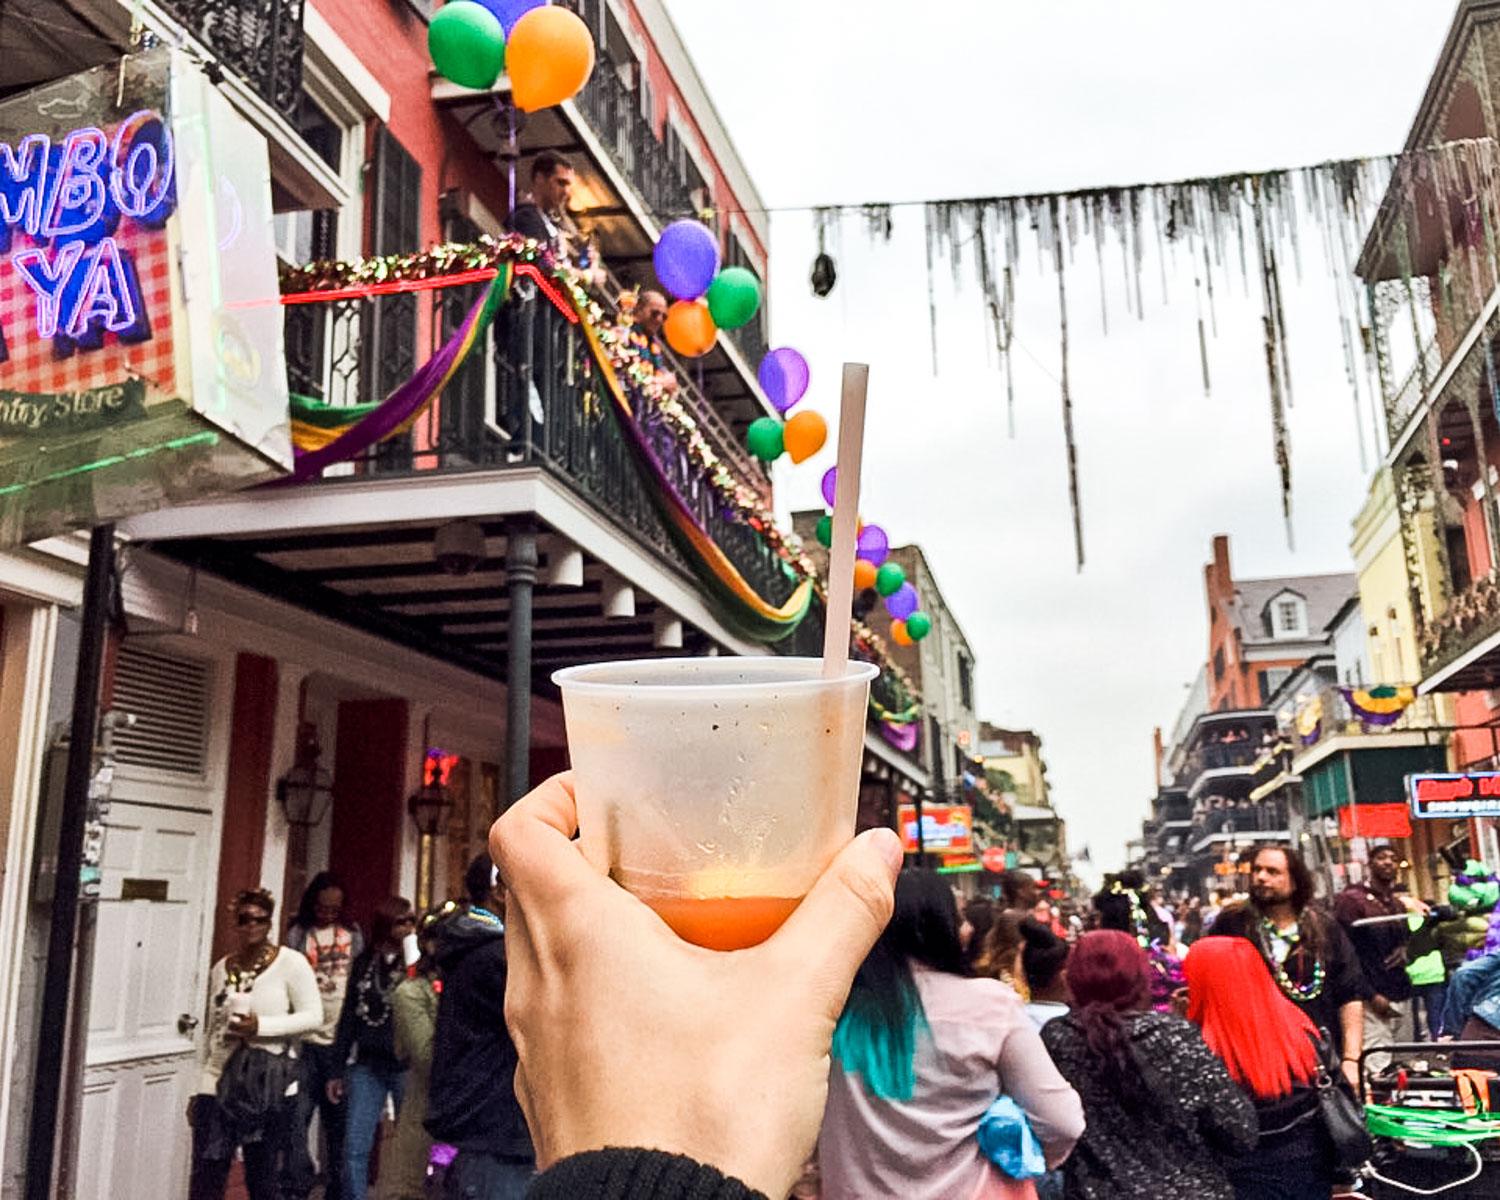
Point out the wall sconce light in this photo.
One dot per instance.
(306, 791)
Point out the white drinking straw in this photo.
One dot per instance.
(840, 608)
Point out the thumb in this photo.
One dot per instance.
(828, 936)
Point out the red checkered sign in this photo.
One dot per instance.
(85, 261)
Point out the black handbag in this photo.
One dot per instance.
(255, 1088)
(1343, 1116)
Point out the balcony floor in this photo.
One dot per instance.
(337, 547)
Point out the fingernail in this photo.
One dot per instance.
(890, 849)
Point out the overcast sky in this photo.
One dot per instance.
(836, 101)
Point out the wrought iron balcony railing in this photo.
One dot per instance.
(1336, 718)
(259, 40)
(537, 401)
(1470, 617)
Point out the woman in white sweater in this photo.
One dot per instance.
(262, 1000)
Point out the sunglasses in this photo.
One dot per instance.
(247, 918)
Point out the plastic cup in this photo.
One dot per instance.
(716, 789)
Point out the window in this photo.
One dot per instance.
(1271, 680)
(966, 682)
(1219, 664)
(1288, 617)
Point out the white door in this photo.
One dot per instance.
(153, 932)
(146, 998)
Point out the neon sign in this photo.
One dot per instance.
(1455, 797)
(68, 198)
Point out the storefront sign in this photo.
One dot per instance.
(140, 339)
(993, 858)
(1453, 797)
(946, 828)
(1374, 821)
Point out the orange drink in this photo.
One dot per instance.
(716, 789)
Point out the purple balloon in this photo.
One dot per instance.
(686, 259)
(508, 12)
(874, 546)
(830, 486)
(903, 603)
(784, 376)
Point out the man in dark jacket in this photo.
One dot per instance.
(1364, 910)
(472, 1099)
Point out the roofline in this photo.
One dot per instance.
(1465, 19)
(916, 548)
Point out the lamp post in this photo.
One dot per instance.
(429, 810)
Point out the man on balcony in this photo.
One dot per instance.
(645, 330)
(544, 218)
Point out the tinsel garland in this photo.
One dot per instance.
(1214, 224)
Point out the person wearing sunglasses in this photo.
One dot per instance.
(262, 1000)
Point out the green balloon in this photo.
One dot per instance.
(467, 44)
(734, 298)
(764, 439)
(825, 532)
(889, 578)
(918, 626)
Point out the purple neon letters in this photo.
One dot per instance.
(68, 198)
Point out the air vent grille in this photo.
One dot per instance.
(168, 696)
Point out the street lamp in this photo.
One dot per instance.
(429, 807)
(306, 791)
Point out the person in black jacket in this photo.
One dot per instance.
(365, 1041)
(471, 1099)
(651, 1069)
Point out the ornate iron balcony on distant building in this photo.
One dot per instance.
(259, 40)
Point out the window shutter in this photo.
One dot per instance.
(391, 332)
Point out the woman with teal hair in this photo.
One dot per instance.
(919, 1056)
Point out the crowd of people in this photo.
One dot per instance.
(992, 1048)
(325, 1023)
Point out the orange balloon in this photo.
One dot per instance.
(899, 634)
(804, 435)
(549, 57)
(690, 329)
(864, 574)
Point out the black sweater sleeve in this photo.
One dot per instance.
(636, 1175)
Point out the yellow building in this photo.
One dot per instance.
(1386, 595)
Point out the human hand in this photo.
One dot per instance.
(1381, 1005)
(334, 1089)
(607, 1005)
(244, 1025)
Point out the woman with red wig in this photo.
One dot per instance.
(1266, 1041)
(1162, 1116)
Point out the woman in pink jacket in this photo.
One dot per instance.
(921, 1052)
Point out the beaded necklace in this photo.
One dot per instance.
(372, 992)
(239, 978)
(1303, 992)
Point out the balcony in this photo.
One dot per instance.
(259, 40)
(1222, 822)
(1460, 649)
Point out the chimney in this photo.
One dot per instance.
(1159, 752)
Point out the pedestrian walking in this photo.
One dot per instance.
(1162, 1116)
(1381, 949)
(920, 1053)
(999, 956)
(366, 1041)
(262, 1000)
(1306, 952)
(414, 1006)
(1124, 905)
(471, 1100)
(1267, 1044)
(1044, 963)
(330, 945)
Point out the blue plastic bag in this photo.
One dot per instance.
(1006, 1139)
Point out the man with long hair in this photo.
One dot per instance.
(1306, 952)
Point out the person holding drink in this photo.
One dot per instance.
(262, 1000)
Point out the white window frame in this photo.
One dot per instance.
(1298, 606)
